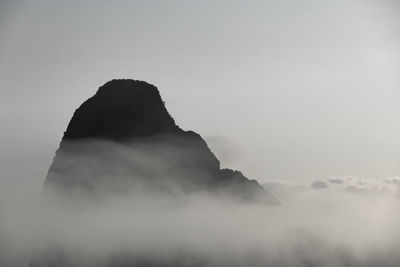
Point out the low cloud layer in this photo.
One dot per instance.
(328, 223)
(359, 184)
(311, 228)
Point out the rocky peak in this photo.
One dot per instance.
(123, 137)
(121, 110)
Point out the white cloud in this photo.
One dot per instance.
(360, 184)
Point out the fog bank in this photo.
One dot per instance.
(329, 227)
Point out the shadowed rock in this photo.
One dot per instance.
(124, 138)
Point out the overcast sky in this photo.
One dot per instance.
(282, 90)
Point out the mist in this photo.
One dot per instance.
(300, 95)
(333, 225)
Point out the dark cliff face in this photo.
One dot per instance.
(123, 138)
(121, 110)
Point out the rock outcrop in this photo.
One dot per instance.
(123, 138)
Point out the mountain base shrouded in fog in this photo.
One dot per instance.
(123, 144)
(124, 140)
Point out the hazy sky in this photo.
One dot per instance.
(282, 90)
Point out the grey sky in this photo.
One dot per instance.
(300, 90)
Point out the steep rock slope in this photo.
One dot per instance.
(123, 138)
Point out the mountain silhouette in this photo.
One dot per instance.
(123, 138)
(123, 141)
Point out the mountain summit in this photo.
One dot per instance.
(124, 140)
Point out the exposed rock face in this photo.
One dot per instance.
(122, 110)
(124, 138)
